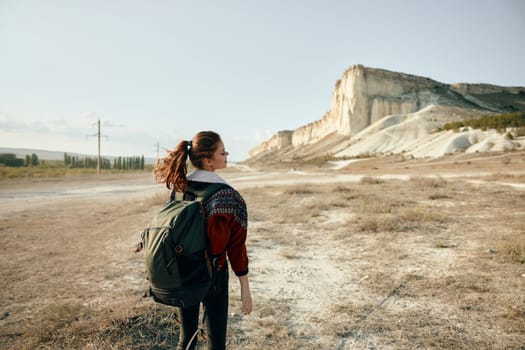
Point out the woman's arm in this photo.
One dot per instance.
(246, 296)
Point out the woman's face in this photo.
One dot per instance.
(218, 159)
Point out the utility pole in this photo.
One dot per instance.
(98, 135)
(98, 158)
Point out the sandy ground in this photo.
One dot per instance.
(317, 281)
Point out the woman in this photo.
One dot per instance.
(227, 222)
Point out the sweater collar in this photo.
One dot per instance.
(206, 176)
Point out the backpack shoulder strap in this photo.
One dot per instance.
(206, 192)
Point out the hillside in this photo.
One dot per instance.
(376, 112)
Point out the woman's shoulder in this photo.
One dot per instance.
(228, 193)
(227, 201)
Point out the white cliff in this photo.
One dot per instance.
(364, 96)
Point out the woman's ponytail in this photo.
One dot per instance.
(172, 169)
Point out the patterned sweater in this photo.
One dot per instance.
(227, 227)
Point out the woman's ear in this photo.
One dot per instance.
(206, 164)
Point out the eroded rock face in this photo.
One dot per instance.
(277, 141)
(364, 95)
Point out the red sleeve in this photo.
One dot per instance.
(227, 236)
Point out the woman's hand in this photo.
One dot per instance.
(246, 296)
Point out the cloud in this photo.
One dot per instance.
(59, 125)
(71, 134)
(94, 117)
(8, 124)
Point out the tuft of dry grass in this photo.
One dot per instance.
(513, 244)
(370, 180)
(299, 190)
(156, 324)
(515, 250)
(428, 182)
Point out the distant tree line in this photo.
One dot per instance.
(76, 161)
(127, 163)
(498, 122)
(120, 163)
(10, 159)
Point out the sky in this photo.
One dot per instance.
(155, 72)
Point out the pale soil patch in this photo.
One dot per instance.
(357, 260)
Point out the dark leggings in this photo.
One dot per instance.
(216, 308)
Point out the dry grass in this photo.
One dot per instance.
(425, 263)
(55, 169)
(66, 273)
(431, 263)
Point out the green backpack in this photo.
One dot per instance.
(178, 267)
